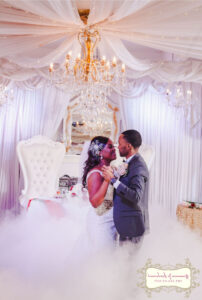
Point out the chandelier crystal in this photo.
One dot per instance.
(179, 97)
(88, 69)
(95, 112)
(91, 76)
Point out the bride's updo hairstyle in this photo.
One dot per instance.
(97, 144)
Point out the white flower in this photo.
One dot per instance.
(96, 147)
(120, 170)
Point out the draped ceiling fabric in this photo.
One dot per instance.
(35, 33)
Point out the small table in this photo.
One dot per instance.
(190, 216)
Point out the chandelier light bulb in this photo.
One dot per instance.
(51, 68)
(123, 68)
(179, 92)
(114, 62)
(189, 92)
(78, 58)
(168, 92)
(68, 56)
(108, 65)
(103, 61)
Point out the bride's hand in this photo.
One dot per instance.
(107, 168)
(107, 173)
(107, 176)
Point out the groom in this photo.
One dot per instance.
(130, 190)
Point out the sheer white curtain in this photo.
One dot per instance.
(176, 174)
(31, 113)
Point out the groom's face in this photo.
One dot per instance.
(124, 147)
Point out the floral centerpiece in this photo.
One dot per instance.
(191, 204)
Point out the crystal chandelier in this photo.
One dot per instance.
(179, 97)
(90, 76)
(87, 71)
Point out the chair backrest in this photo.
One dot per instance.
(148, 153)
(40, 159)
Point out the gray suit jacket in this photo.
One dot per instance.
(131, 200)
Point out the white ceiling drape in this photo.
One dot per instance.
(32, 36)
(173, 26)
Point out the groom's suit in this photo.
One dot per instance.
(131, 200)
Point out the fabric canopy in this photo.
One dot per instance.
(35, 33)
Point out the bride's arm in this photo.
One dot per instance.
(97, 188)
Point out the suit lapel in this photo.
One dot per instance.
(131, 161)
(134, 158)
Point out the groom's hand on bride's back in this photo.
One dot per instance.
(107, 173)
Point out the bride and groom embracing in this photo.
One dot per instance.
(119, 202)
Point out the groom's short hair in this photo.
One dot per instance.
(133, 137)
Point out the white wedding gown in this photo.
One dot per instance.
(100, 225)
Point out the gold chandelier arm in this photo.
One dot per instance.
(97, 39)
(88, 37)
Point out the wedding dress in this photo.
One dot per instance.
(100, 225)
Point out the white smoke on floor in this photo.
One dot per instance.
(41, 258)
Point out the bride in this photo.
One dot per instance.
(100, 225)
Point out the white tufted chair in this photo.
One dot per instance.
(40, 159)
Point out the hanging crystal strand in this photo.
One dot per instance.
(93, 76)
